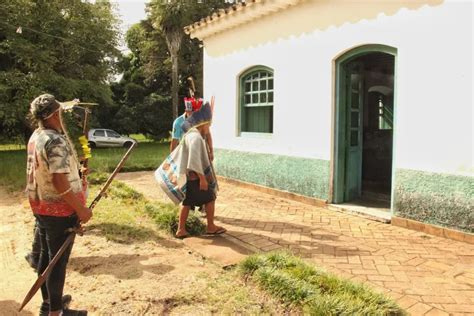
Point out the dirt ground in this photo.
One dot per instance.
(155, 277)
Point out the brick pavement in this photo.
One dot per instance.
(427, 275)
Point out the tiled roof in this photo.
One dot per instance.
(240, 13)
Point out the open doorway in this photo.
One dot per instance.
(364, 128)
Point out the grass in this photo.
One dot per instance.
(123, 213)
(5, 147)
(166, 217)
(315, 291)
(13, 169)
(146, 156)
(227, 295)
(141, 138)
(119, 216)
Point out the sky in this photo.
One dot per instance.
(130, 12)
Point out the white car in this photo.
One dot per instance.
(101, 137)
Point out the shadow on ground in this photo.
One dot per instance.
(128, 234)
(123, 267)
(220, 250)
(314, 240)
(11, 308)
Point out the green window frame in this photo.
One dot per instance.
(256, 100)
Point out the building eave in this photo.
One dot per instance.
(234, 16)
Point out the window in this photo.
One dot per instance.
(111, 133)
(256, 105)
(100, 133)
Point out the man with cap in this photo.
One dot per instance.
(56, 196)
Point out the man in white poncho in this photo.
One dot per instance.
(186, 175)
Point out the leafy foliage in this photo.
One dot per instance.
(169, 18)
(66, 48)
(146, 98)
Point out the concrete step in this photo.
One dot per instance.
(377, 214)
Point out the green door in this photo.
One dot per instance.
(354, 106)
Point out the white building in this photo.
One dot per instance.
(347, 100)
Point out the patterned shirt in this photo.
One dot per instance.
(48, 153)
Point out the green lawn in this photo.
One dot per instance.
(4, 147)
(146, 156)
(315, 291)
(13, 169)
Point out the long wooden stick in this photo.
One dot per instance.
(112, 176)
(42, 278)
(209, 150)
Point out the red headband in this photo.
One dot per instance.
(195, 103)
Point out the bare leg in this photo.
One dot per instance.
(183, 216)
(210, 216)
(212, 228)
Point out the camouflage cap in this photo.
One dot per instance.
(44, 106)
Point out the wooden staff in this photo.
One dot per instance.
(73, 231)
(209, 150)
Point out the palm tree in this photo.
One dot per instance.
(170, 17)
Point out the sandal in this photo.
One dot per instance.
(218, 231)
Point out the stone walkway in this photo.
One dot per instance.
(427, 275)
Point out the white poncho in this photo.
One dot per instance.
(190, 155)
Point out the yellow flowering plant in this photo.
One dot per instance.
(86, 150)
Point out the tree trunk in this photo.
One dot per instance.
(173, 41)
(174, 84)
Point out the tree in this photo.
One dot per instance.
(63, 47)
(171, 17)
(142, 95)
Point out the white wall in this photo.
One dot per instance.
(434, 84)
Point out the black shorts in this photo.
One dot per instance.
(196, 197)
